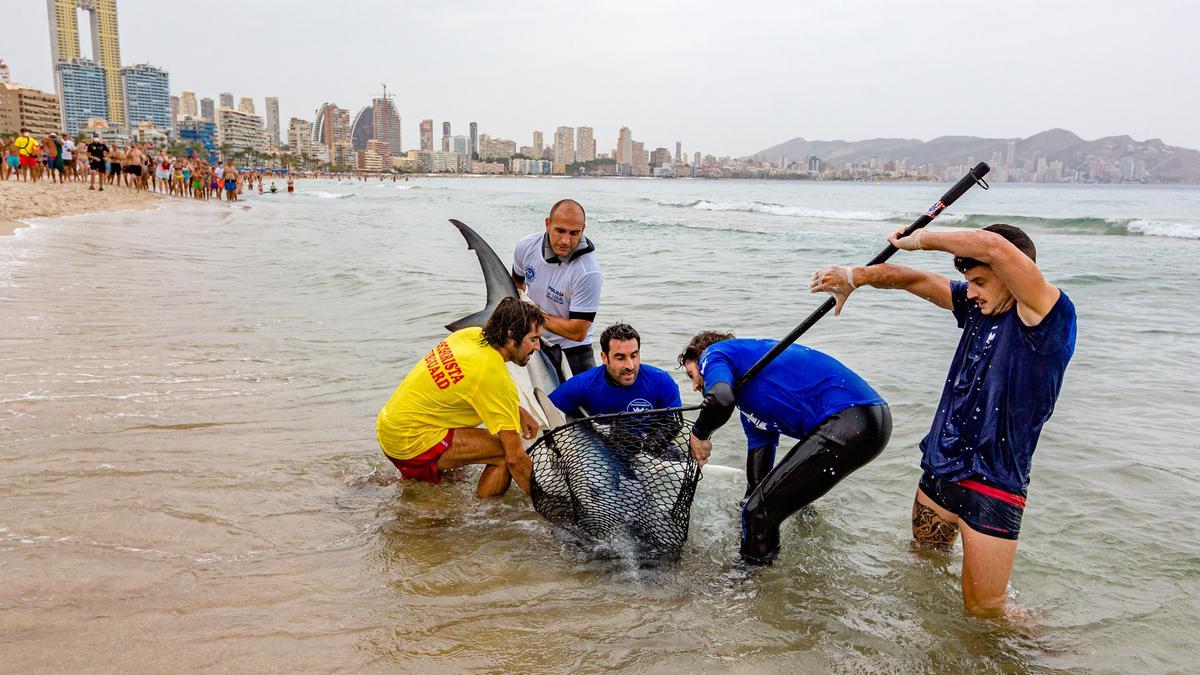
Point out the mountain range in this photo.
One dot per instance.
(1164, 163)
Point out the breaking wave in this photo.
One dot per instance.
(321, 194)
(780, 210)
(1108, 226)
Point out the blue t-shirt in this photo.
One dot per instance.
(792, 396)
(1001, 389)
(591, 390)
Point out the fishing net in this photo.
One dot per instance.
(626, 479)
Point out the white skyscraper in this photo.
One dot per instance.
(273, 120)
(585, 145)
(564, 145)
(625, 146)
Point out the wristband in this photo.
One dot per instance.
(849, 271)
(916, 237)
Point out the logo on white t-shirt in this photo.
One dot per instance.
(529, 273)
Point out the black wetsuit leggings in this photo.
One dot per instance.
(843, 443)
(579, 358)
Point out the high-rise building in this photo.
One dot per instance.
(362, 129)
(679, 152)
(187, 104)
(660, 157)
(174, 111)
(474, 135)
(27, 107)
(207, 110)
(225, 100)
(445, 137)
(299, 137)
(106, 50)
(639, 164)
(84, 87)
(237, 130)
(585, 145)
(147, 95)
(246, 105)
(387, 124)
(625, 146)
(4, 77)
(564, 145)
(427, 135)
(496, 148)
(199, 135)
(1010, 154)
(538, 145)
(272, 120)
(696, 159)
(332, 131)
(460, 145)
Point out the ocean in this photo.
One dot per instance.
(187, 405)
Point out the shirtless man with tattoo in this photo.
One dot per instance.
(1018, 336)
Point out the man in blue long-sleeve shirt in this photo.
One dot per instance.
(840, 421)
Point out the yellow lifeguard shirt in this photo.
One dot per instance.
(462, 382)
(29, 146)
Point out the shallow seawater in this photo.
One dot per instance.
(187, 403)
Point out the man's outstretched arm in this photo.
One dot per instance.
(841, 280)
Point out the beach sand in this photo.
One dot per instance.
(20, 200)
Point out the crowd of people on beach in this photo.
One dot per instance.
(60, 159)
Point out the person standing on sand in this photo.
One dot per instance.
(49, 155)
(1018, 335)
(133, 167)
(231, 181)
(97, 157)
(68, 158)
(115, 160)
(27, 154)
(11, 160)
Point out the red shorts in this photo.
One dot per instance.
(424, 466)
(27, 160)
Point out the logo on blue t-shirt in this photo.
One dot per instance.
(529, 273)
(639, 405)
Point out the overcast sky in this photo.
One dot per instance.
(722, 77)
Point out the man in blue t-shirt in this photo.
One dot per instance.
(839, 420)
(621, 384)
(1018, 334)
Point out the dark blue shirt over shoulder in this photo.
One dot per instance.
(1000, 391)
(792, 396)
(592, 390)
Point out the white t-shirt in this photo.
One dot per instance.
(68, 148)
(560, 288)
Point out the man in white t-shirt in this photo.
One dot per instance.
(558, 271)
(68, 156)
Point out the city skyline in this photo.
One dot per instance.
(723, 84)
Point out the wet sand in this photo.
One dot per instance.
(21, 200)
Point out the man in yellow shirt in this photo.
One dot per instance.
(430, 424)
(27, 149)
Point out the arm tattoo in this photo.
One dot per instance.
(931, 531)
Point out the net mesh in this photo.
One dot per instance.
(625, 479)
